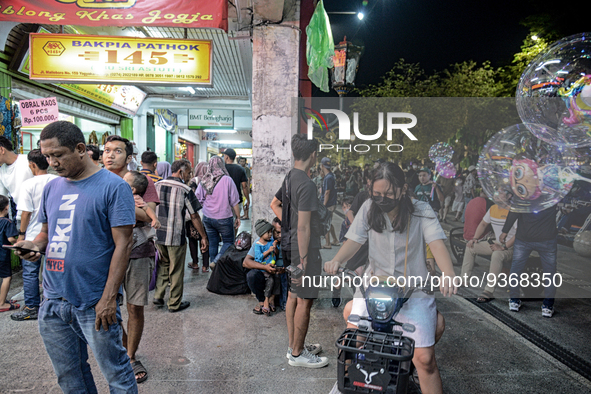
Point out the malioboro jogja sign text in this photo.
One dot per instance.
(345, 131)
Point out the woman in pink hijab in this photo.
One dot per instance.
(218, 195)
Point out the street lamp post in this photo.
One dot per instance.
(346, 63)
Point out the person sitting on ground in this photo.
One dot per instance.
(139, 185)
(501, 253)
(264, 253)
(8, 234)
(256, 279)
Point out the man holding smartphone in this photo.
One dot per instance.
(85, 264)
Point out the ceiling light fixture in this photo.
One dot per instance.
(188, 89)
(231, 142)
(219, 130)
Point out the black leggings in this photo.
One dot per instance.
(195, 250)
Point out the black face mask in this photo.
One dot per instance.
(385, 204)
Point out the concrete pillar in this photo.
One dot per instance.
(274, 87)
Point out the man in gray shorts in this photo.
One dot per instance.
(117, 154)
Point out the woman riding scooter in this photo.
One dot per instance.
(398, 228)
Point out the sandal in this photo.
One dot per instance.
(486, 296)
(258, 310)
(13, 306)
(193, 266)
(336, 244)
(326, 247)
(138, 369)
(272, 308)
(205, 269)
(266, 311)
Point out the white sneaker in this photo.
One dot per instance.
(313, 348)
(547, 312)
(19, 296)
(514, 306)
(308, 360)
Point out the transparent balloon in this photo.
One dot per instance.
(554, 93)
(446, 170)
(441, 152)
(520, 171)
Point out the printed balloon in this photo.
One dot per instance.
(441, 152)
(519, 170)
(554, 93)
(446, 170)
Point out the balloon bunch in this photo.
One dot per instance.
(441, 153)
(531, 166)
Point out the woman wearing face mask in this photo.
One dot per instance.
(384, 221)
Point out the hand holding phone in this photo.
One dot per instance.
(22, 250)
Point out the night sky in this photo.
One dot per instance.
(437, 33)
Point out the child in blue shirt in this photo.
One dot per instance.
(281, 276)
(8, 234)
(265, 253)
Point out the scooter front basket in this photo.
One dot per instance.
(373, 362)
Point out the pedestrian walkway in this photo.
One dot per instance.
(219, 346)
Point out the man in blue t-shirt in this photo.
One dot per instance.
(88, 215)
(328, 198)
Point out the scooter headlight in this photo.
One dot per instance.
(381, 303)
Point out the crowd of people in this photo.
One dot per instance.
(391, 227)
(126, 217)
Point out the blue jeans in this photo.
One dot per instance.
(31, 282)
(66, 332)
(466, 201)
(547, 251)
(256, 283)
(218, 229)
(284, 288)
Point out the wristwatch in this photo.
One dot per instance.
(22, 233)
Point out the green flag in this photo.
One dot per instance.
(319, 47)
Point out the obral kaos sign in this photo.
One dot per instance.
(345, 131)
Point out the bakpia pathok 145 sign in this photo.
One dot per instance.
(92, 59)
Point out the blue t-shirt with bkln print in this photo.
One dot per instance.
(79, 217)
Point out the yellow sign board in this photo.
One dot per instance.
(92, 59)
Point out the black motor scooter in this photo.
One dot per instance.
(376, 357)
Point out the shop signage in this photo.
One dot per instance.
(92, 59)
(187, 13)
(39, 111)
(124, 98)
(167, 119)
(211, 119)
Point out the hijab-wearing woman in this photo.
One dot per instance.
(163, 169)
(397, 229)
(200, 170)
(218, 195)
